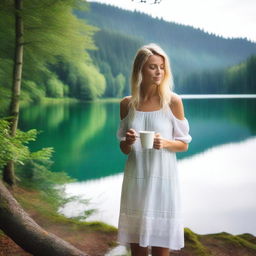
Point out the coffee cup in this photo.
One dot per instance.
(147, 139)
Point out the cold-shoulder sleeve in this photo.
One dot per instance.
(122, 129)
(181, 130)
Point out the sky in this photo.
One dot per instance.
(227, 18)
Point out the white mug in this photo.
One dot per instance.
(147, 139)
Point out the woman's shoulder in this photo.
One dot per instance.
(124, 106)
(125, 100)
(176, 106)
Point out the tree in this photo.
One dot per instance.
(8, 174)
(14, 221)
(23, 230)
(47, 31)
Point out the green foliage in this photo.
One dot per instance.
(51, 31)
(16, 149)
(32, 92)
(195, 55)
(235, 241)
(4, 100)
(93, 84)
(59, 49)
(114, 59)
(194, 245)
(33, 168)
(36, 175)
(5, 81)
(190, 49)
(85, 215)
(236, 79)
(55, 88)
(52, 34)
(84, 79)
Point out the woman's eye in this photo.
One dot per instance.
(154, 67)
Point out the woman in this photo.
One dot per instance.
(150, 213)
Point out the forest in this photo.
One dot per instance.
(193, 53)
(89, 56)
(54, 40)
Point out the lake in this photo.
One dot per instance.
(218, 172)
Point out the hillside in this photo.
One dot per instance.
(200, 61)
(190, 49)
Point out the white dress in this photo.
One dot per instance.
(150, 212)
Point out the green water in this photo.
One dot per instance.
(84, 134)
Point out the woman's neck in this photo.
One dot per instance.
(146, 93)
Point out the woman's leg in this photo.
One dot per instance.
(159, 251)
(138, 250)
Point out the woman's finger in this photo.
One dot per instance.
(132, 131)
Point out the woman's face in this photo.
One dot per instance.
(153, 70)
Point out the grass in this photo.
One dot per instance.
(194, 245)
(33, 200)
(237, 241)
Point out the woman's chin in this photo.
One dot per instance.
(157, 83)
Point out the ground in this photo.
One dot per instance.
(96, 238)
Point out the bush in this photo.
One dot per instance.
(15, 147)
(32, 92)
(55, 88)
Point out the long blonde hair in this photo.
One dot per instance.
(164, 89)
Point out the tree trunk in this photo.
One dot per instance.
(24, 231)
(18, 64)
(8, 172)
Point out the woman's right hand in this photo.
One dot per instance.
(131, 136)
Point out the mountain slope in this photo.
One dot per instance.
(189, 49)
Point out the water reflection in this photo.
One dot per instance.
(218, 191)
(48, 116)
(218, 121)
(71, 129)
(84, 135)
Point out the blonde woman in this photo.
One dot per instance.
(150, 212)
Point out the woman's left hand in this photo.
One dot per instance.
(159, 142)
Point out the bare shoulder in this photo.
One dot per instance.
(177, 106)
(124, 106)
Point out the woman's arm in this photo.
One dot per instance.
(173, 145)
(130, 136)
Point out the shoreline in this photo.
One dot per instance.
(98, 238)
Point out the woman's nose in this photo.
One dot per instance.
(158, 70)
